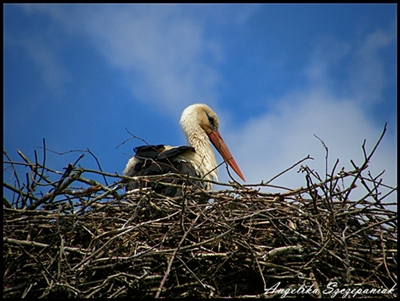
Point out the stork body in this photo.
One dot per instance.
(200, 125)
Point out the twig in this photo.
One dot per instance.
(171, 260)
(287, 169)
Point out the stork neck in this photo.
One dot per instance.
(202, 144)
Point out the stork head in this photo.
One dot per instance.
(200, 119)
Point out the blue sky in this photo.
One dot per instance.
(78, 75)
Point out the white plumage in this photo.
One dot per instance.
(200, 125)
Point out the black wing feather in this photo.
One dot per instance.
(155, 160)
(149, 151)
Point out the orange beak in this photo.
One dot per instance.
(221, 147)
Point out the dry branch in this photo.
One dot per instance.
(66, 235)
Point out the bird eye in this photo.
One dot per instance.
(211, 120)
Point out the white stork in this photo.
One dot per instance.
(200, 125)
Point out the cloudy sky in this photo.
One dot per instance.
(78, 76)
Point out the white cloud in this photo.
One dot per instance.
(286, 134)
(161, 51)
(367, 75)
(44, 56)
(269, 144)
(54, 74)
(43, 48)
(357, 67)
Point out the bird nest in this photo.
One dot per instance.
(79, 237)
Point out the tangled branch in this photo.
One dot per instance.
(67, 235)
